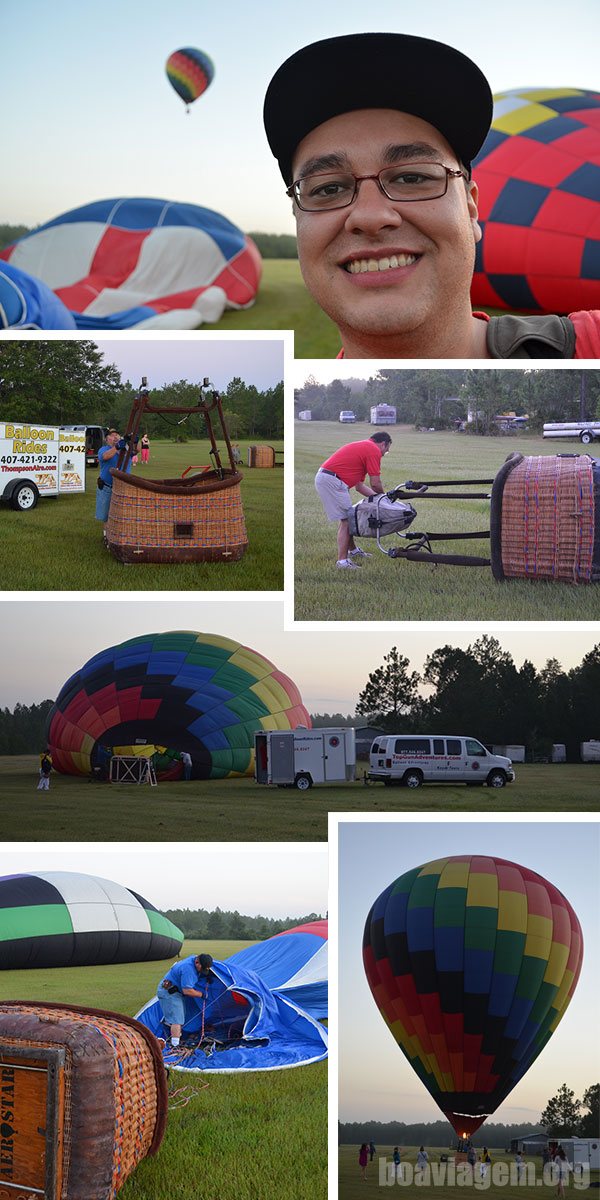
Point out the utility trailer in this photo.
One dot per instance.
(586, 431)
(301, 757)
(590, 751)
(39, 460)
(382, 414)
(515, 753)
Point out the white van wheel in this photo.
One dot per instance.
(24, 497)
(412, 779)
(496, 779)
(303, 782)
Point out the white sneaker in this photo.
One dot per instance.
(359, 553)
(346, 563)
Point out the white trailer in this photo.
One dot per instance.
(586, 1154)
(590, 751)
(585, 431)
(305, 415)
(300, 757)
(40, 460)
(515, 753)
(559, 752)
(383, 414)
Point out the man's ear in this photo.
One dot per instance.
(472, 206)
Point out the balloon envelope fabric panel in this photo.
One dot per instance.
(141, 262)
(472, 962)
(64, 919)
(180, 691)
(243, 1026)
(538, 175)
(189, 72)
(293, 962)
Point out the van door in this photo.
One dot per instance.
(475, 756)
(439, 762)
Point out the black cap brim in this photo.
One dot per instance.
(378, 70)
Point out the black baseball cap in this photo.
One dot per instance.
(378, 70)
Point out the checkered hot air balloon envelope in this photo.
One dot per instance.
(538, 175)
(181, 691)
(135, 263)
(65, 919)
(472, 962)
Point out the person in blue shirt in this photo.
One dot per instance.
(187, 977)
(108, 456)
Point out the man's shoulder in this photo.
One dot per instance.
(548, 336)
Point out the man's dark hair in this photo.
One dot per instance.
(380, 436)
(205, 960)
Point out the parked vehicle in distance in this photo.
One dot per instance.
(586, 431)
(382, 414)
(347, 417)
(94, 438)
(305, 415)
(412, 759)
(590, 751)
(301, 757)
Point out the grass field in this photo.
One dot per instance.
(395, 590)
(76, 809)
(284, 303)
(241, 1137)
(59, 544)
(352, 1185)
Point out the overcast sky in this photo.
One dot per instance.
(273, 881)
(379, 1084)
(167, 358)
(93, 115)
(42, 643)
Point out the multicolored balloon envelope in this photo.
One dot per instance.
(294, 962)
(472, 962)
(189, 72)
(197, 692)
(538, 175)
(64, 919)
(145, 263)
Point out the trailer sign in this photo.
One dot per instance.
(48, 459)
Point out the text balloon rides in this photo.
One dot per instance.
(141, 263)
(64, 919)
(195, 692)
(538, 175)
(189, 72)
(472, 962)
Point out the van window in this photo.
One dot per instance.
(453, 746)
(412, 746)
(438, 746)
(475, 749)
(375, 748)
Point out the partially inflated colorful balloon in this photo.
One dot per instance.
(472, 962)
(197, 692)
(538, 174)
(190, 72)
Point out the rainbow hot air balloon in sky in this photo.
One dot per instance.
(472, 962)
(189, 72)
(197, 692)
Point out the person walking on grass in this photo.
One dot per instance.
(363, 1158)
(45, 769)
(398, 1173)
(345, 468)
(145, 448)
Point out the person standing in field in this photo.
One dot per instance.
(363, 1158)
(422, 1159)
(145, 448)
(372, 1151)
(397, 1163)
(562, 1167)
(45, 769)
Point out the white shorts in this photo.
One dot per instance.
(334, 495)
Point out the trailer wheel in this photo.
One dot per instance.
(586, 437)
(25, 497)
(412, 779)
(496, 779)
(303, 782)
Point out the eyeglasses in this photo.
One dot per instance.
(409, 182)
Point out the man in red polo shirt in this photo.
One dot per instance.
(348, 467)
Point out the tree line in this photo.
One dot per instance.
(442, 399)
(69, 383)
(481, 691)
(270, 245)
(202, 923)
(23, 731)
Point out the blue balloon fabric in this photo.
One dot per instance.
(293, 962)
(26, 302)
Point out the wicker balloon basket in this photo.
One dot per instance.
(261, 456)
(195, 519)
(545, 519)
(83, 1099)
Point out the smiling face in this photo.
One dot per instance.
(389, 273)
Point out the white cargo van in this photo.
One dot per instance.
(38, 460)
(347, 417)
(300, 757)
(414, 759)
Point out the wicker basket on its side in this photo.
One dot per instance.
(261, 456)
(83, 1099)
(543, 518)
(195, 519)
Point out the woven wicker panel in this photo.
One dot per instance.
(547, 529)
(183, 525)
(116, 1104)
(261, 456)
